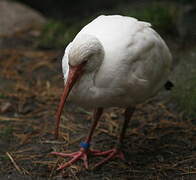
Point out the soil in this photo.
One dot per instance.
(160, 142)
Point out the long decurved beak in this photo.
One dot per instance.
(74, 73)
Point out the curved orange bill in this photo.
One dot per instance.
(74, 73)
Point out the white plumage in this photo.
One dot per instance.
(113, 61)
(135, 65)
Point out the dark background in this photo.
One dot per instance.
(160, 142)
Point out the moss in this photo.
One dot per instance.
(184, 92)
(57, 34)
(2, 96)
(4, 158)
(185, 96)
(159, 15)
(53, 35)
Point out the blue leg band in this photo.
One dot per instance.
(84, 145)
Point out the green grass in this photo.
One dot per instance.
(184, 92)
(4, 158)
(185, 95)
(58, 34)
(158, 14)
(2, 96)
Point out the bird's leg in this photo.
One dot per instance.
(96, 116)
(84, 146)
(127, 117)
(116, 151)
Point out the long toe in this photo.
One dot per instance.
(69, 163)
(83, 155)
(64, 154)
(110, 155)
(74, 158)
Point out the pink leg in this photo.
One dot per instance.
(116, 152)
(81, 154)
(110, 155)
(84, 150)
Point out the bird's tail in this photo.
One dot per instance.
(168, 85)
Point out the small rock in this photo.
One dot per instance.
(160, 158)
(16, 17)
(5, 107)
(113, 115)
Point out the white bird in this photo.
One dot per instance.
(114, 61)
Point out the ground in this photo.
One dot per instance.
(160, 142)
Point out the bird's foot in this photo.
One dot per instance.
(81, 154)
(110, 155)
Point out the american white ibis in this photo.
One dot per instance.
(114, 61)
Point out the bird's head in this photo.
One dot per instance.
(85, 55)
(86, 49)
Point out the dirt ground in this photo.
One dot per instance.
(160, 143)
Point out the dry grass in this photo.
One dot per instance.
(160, 143)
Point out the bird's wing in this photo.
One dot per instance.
(152, 61)
(65, 60)
(134, 53)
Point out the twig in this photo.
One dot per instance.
(26, 172)
(3, 118)
(184, 161)
(77, 139)
(14, 163)
(53, 142)
(187, 173)
(43, 162)
(54, 168)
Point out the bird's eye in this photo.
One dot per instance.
(88, 57)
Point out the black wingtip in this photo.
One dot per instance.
(168, 85)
